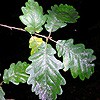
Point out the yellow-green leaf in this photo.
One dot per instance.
(34, 44)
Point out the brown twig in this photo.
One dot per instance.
(10, 27)
(20, 29)
(1, 83)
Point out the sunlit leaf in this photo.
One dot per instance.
(44, 73)
(2, 94)
(59, 16)
(16, 73)
(33, 17)
(77, 58)
(34, 44)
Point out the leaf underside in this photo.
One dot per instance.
(32, 17)
(44, 73)
(76, 58)
(16, 73)
(59, 16)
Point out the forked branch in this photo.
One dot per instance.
(20, 29)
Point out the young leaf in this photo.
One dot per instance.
(2, 94)
(33, 17)
(16, 73)
(77, 58)
(59, 16)
(34, 44)
(44, 73)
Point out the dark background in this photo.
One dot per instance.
(14, 47)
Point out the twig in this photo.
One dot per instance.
(1, 83)
(20, 29)
(10, 27)
(53, 40)
(40, 35)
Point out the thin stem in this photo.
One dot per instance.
(53, 40)
(10, 27)
(1, 83)
(48, 37)
(20, 29)
(40, 35)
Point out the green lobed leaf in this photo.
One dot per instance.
(32, 17)
(59, 16)
(2, 94)
(16, 73)
(44, 73)
(77, 58)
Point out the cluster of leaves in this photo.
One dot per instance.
(56, 18)
(43, 73)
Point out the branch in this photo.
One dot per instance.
(10, 27)
(20, 29)
(1, 83)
